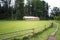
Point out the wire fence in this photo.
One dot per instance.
(23, 34)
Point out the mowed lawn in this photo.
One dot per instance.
(12, 26)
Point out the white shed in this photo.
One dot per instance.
(30, 18)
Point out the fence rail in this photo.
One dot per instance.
(32, 32)
(14, 32)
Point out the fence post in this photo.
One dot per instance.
(45, 27)
(33, 31)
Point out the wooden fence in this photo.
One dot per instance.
(22, 33)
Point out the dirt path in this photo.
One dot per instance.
(51, 37)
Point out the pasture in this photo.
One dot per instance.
(11, 26)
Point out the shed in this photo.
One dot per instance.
(30, 18)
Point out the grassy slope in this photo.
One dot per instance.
(44, 35)
(58, 33)
(8, 26)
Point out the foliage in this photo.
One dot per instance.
(19, 5)
(55, 14)
(57, 17)
(37, 8)
(32, 8)
(55, 11)
(6, 9)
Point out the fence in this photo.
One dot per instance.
(22, 33)
(53, 34)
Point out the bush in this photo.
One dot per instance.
(57, 17)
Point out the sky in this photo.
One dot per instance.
(12, 2)
(53, 3)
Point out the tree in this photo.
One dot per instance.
(5, 9)
(55, 13)
(37, 8)
(32, 8)
(19, 5)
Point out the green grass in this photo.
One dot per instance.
(45, 34)
(11, 26)
(58, 33)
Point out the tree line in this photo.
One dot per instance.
(55, 13)
(36, 8)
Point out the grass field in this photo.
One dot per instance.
(8, 26)
(44, 35)
(11, 26)
(58, 33)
